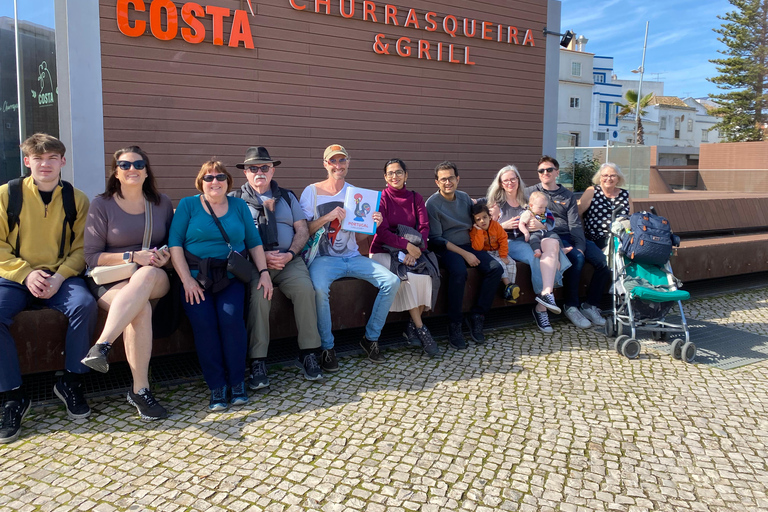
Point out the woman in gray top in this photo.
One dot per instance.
(114, 232)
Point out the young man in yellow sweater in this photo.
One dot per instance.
(40, 261)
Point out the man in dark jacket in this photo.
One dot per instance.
(283, 228)
(568, 226)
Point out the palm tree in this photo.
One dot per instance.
(630, 107)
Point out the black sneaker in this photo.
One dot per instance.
(455, 336)
(258, 378)
(428, 344)
(310, 368)
(542, 321)
(511, 293)
(328, 361)
(411, 335)
(97, 357)
(149, 408)
(13, 414)
(475, 323)
(548, 301)
(239, 396)
(372, 350)
(71, 393)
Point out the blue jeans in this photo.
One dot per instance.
(573, 276)
(74, 299)
(327, 269)
(219, 331)
(457, 279)
(520, 250)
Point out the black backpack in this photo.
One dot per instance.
(650, 239)
(15, 199)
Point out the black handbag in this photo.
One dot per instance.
(237, 264)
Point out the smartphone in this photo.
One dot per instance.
(400, 256)
(163, 249)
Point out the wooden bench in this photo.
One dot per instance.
(723, 233)
(39, 334)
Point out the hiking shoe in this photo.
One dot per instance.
(372, 350)
(455, 336)
(576, 318)
(542, 321)
(428, 344)
(511, 293)
(218, 399)
(475, 324)
(71, 393)
(13, 414)
(548, 301)
(258, 378)
(328, 361)
(97, 357)
(309, 366)
(144, 402)
(593, 314)
(411, 335)
(239, 395)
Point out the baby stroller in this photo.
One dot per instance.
(644, 288)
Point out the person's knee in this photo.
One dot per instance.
(389, 283)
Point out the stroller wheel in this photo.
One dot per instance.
(610, 328)
(677, 348)
(619, 341)
(688, 352)
(630, 348)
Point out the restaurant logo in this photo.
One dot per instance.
(191, 12)
(424, 20)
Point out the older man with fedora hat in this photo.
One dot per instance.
(283, 228)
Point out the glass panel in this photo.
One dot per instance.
(38, 111)
(577, 165)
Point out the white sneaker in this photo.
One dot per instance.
(574, 315)
(593, 314)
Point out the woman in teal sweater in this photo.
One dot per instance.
(214, 298)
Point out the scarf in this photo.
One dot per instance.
(264, 218)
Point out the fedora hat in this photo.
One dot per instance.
(257, 155)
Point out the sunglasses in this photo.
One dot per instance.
(125, 164)
(208, 178)
(334, 161)
(261, 168)
(547, 170)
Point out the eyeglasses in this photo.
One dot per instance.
(547, 170)
(392, 174)
(340, 161)
(509, 181)
(208, 178)
(610, 176)
(449, 179)
(125, 164)
(263, 168)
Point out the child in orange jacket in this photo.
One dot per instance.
(488, 235)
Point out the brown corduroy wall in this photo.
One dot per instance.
(313, 79)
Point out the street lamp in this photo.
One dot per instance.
(640, 70)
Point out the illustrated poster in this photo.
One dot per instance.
(360, 203)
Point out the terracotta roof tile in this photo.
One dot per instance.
(671, 101)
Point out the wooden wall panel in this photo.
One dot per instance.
(313, 79)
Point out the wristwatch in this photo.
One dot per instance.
(127, 257)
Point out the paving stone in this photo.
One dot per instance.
(525, 423)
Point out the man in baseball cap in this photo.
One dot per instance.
(338, 256)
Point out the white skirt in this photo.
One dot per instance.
(415, 292)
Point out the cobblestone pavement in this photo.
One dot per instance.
(526, 422)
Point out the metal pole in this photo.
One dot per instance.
(640, 88)
(19, 82)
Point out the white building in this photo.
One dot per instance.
(704, 121)
(574, 112)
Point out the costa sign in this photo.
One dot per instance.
(191, 12)
(193, 31)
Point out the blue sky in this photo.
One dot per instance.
(680, 38)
